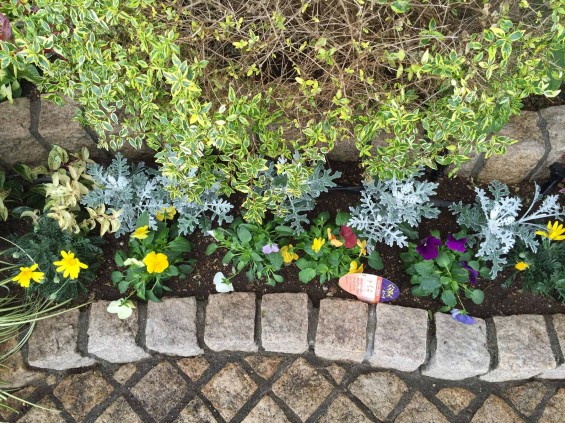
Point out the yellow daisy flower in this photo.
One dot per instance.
(156, 262)
(317, 244)
(354, 269)
(141, 233)
(521, 265)
(555, 232)
(69, 265)
(27, 274)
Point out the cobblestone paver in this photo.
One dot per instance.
(135, 384)
(263, 387)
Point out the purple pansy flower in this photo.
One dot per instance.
(270, 248)
(5, 28)
(462, 317)
(429, 247)
(473, 274)
(456, 244)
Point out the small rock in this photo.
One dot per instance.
(343, 410)
(264, 366)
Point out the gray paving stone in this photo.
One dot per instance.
(171, 327)
(112, 339)
(523, 348)
(230, 322)
(284, 323)
(53, 344)
(401, 338)
(461, 350)
(559, 325)
(342, 328)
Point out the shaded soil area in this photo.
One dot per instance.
(498, 300)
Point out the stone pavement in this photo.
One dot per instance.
(263, 387)
(235, 357)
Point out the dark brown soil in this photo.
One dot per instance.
(498, 300)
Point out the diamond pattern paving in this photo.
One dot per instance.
(82, 392)
(256, 388)
(229, 390)
(160, 390)
(303, 388)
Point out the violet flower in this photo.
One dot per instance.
(473, 274)
(456, 244)
(5, 28)
(462, 317)
(429, 247)
(270, 248)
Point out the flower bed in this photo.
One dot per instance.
(169, 248)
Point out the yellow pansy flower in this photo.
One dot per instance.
(354, 269)
(317, 244)
(69, 265)
(288, 254)
(555, 232)
(167, 213)
(521, 265)
(156, 262)
(27, 274)
(362, 247)
(141, 233)
(333, 240)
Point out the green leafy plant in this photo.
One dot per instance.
(444, 270)
(220, 94)
(253, 248)
(333, 250)
(13, 67)
(43, 246)
(152, 258)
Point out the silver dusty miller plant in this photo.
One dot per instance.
(136, 189)
(293, 208)
(386, 205)
(494, 224)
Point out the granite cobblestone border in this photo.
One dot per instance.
(28, 128)
(385, 337)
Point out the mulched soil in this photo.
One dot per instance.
(498, 300)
